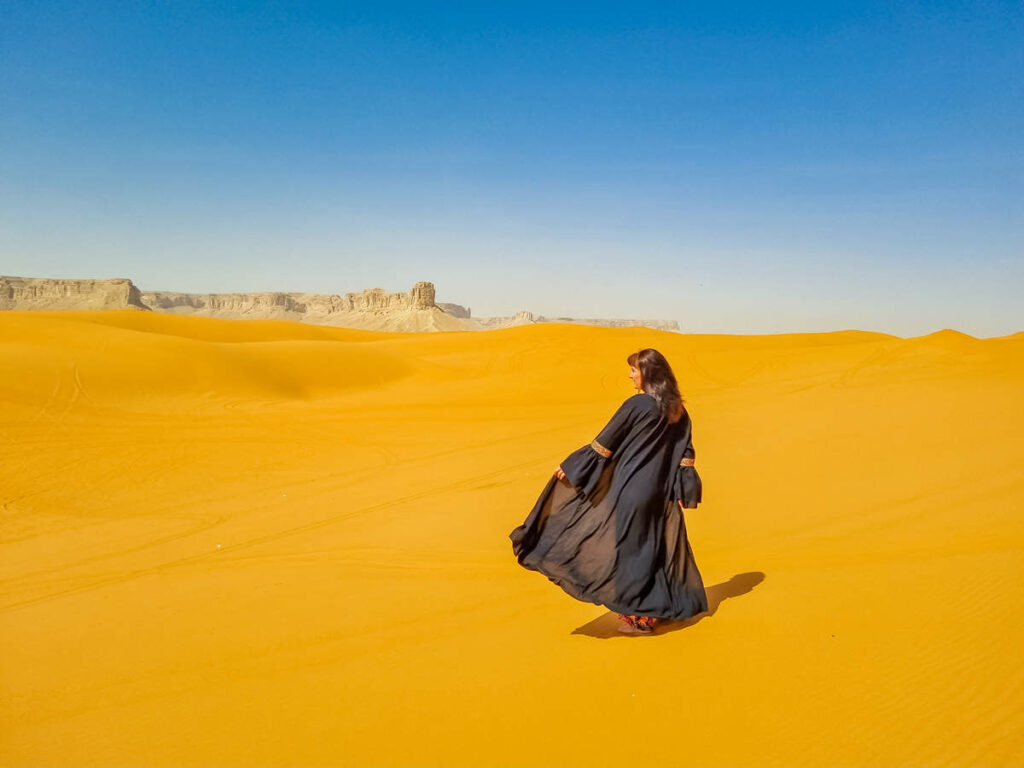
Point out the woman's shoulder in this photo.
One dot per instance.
(642, 400)
(645, 402)
(644, 405)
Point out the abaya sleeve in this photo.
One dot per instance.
(686, 485)
(583, 466)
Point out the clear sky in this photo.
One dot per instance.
(743, 167)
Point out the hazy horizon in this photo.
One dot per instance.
(746, 169)
(443, 300)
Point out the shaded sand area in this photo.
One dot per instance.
(231, 543)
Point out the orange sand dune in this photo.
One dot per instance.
(231, 543)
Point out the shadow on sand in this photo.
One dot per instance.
(607, 625)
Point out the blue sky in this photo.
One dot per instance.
(738, 167)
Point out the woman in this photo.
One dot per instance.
(606, 527)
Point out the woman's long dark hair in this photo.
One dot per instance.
(659, 381)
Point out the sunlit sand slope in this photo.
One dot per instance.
(230, 543)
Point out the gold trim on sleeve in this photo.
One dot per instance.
(600, 448)
(685, 462)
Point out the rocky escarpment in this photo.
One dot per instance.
(421, 297)
(523, 318)
(455, 310)
(245, 303)
(47, 293)
(372, 309)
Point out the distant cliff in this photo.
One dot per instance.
(455, 310)
(522, 318)
(371, 309)
(421, 297)
(44, 293)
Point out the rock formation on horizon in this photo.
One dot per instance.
(46, 293)
(370, 309)
(456, 310)
(370, 300)
(524, 318)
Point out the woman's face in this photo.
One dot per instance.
(638, 379)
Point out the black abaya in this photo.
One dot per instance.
(612, 532)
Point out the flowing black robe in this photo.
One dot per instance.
(612, 532)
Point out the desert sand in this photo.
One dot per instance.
(263, 543)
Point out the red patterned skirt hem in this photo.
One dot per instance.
(640, 622)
